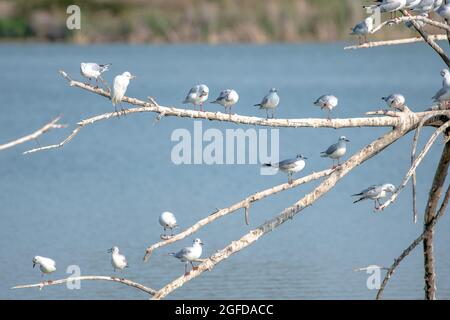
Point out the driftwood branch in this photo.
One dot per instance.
(239, 205)
(400, 20)
(84, 278)
(363, 155)
(414, 244)
(373, 44)
(49, 126)
(415, 164)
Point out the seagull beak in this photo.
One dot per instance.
(132, 77)
(305, 158)
(347, 140)
(202, 243)
(109, 250)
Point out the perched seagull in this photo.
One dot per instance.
(290, 166)
(446, 78)
(411, 4)
(189, 254)
(391, 6)
(442, 96)
(336, 151)
(93, 70)
(270, 101)
(437, 4)
(118, 260)
(46, 265)
(424, 6)
(168, 221)
(444, 11)
(362, 29)
(395, 101)
(328, 102)
(374, 193)
(197, 95)
(227, 98)
(120, 87)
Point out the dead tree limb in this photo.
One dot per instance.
(49, 126)
(85, 278)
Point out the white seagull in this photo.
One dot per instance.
(189, 254)
(290, 166)
(93, 70)
(411, 4)
(118, 260)
(395, 101)
(391, 6)
(227, 98)
(168, 221)
(328, 102)
(46, 265)
(375, 193)
(197, 95)
(336, 151)
(362, 29)
(120, 87)
(444, 11)
(270, 101)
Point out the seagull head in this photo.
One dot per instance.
(389, 188)
(198, 241)
(299, 156)
(273, 90)
(445, 72)
(204, 90)
(344, 138)
(128, 75)
(113, 250)
(35, 261)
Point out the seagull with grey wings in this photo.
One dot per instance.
(91, 70)
(189, 255)
(375, 193)
(290, 166)
(197, 95)
(270, 101)
(362, 29)
(328, 102)
(391, 6)
(227, 98)
(336, 151)
(395, 101)
(442, 97)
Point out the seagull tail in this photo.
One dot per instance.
(257, 105)
(360, 199)
(267, 165)
(323, 154)
(215, 101)
(356, 194)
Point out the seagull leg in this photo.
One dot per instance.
(186, 272)
(96, 83)
(329, 114)
(273, 113)
(267, 114)
(290, 178)
(193, 267)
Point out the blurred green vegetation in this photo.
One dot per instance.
(182, 20)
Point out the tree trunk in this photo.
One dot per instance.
(430, 213)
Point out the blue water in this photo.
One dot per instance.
(110, 183)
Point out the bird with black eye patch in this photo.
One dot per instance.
(289, 166)
(118, 261)
(168, 221)
(269, 102)
(375, 193)
(189, 255)
(336, 151)
(46, 265)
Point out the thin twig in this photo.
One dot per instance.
(84, 278)
(49, 126)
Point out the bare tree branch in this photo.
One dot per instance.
(415, 164)
(49, 126)
(241, 204)
(414, 244)
(373, 44)
(84, 278)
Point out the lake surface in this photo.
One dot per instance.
(111, 182)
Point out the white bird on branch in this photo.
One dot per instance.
(425, 6)
(46, 265)
(391, 6)
(227, 98)
(375, 193)
(336, 151)
(411, 4)
(444, 11)
(189, 254)
(290, 166)
(270, 101)
(168, 221)
(93, 70)
(362, 29)
(446, 78)
(120, 87)
(197, 95)
(328, 102)
(395, 101)
(118, 260)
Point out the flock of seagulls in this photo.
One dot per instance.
(419, 7)
(167, 220)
